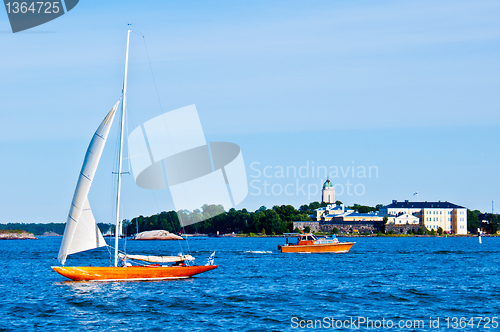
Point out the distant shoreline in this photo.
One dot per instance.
(367, 235)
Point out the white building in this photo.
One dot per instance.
(329, 212)
(403, 219)
(450, 217)
(328, 192)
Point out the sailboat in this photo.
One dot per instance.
(81, 232)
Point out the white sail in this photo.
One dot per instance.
(87, 235)
(81, 232)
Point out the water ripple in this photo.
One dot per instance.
(256, 288)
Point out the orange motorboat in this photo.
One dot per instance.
(309, 243)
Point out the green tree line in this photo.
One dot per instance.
(277, 220)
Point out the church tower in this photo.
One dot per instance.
(328, 192)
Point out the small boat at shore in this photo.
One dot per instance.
(310, 243)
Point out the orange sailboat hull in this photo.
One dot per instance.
(329, 247)
(80, 273)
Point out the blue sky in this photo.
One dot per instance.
(410, 88)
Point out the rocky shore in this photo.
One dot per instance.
(16, 234)
(50, 233)
(156, 235)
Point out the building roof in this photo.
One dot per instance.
(330, 207)
(367, 215)
(327, 184)
(422, 205)
(355, 214)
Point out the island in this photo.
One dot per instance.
(50, 233)
(16, 234)
(156, 235)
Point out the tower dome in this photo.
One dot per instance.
(327, 184)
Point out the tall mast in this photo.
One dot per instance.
(118, 223)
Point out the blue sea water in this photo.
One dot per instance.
(382, 280)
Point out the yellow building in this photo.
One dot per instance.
(450, 217)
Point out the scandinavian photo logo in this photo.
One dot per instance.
(25, 15)
(308, 179)
(171, 150)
